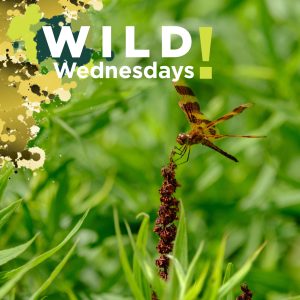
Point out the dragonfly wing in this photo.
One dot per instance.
(230, 115)
(209, 144)
(190, 106)
(220, 136)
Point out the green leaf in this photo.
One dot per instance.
(216, 277)
(150, 278)
(179, 272)
(196, 288)
(192, 266)
(151, 274)
(240, 274)
(139, 250)
(67, 128)
(125, 263)
(6, 212)
(10, 254)
(227, 276)
(98, 197)
(181, 245)
(186, 279)
(6, 171)
(54, 274)
(142, 237)
(228, 272)
(17, 274)
(141, 244)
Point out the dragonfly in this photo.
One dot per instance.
(203, 131)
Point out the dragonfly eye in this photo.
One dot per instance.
(181, 139)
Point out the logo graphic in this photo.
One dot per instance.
(45, 50)
(76, 48)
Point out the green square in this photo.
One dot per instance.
(205, 72)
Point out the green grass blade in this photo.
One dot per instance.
(239, 275)
(97, 198)
(181, 245)
(67, 128)
(54, 274)
(227, 276)
(149, 274)
(12, 295)
(14, 276)
(142, 237)
(192, 266)
(228, 272)
(141, 244)
(10, 254)
(6, 212)
(215, 280)
(139, 250)
(5, 172)
(179, 271)
(197, 287)
(130, 235)
(137, 293)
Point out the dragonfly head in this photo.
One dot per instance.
(182, 139)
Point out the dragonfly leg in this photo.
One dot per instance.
(187, 159)
(181, 154)
(180, 149)
(174, 151)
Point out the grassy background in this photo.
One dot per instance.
(107, 146)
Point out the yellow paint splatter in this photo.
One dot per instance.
(23, 85)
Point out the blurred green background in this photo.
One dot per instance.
(106, 148)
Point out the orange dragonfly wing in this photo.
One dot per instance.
(238, 110)
(189, 105)
(220, 136)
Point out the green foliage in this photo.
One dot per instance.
(193, 283)
(10, 278)
(131, 277)
(13, 276)
(6, 171)
(181, 242)
(54, 274)
(6, 212)
(9, 254)
(240, 274)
